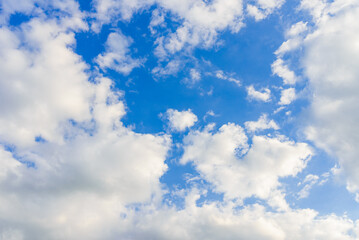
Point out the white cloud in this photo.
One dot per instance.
(113, 10)
(297, 29)
(331, 65)
(316, 7)
(221, 75)
(263, 123)
(200, 23)
(7, 163)
(295, 37)
(9, 7)
(195, 75)
(270, 4)
(201, 20)
(255, 12)
(224, 159)
(172, 67)
(40, 89)
(287, 96)
(263, 8)
(157, 19)
(105, 162)
(117, 55)
(309, 181)
(180, 121)
(82, 182)
(263, 95)
(222, 221)
(77, 182)
(79, 190)
(288, 46)
(282, 70)
(209, 113)
(322, 10)
(38, 7)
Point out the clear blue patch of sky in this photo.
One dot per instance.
(17, 19)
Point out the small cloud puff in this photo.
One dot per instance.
(263, 123)
(180, 121)
(287, 96)
(263, 95)
(280, 69)
(117, 55)
(263, 8)
(194, 77)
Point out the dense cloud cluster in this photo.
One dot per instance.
(71, 169)
(331, 64)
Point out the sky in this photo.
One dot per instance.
(166, 119)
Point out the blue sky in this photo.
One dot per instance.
(165, 119)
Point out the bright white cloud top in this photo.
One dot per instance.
(263, 95)
(116, 56)
(180, 121)
(263, 123)
(287, 96)
(256, 139)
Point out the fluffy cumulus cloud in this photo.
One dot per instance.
(224, 159)
(263, 123)
(212, 221)
(10, 7)
(79, 189)
(65, 149)
(117, 55)
(71, 168)
(287, 96)
(331, 65)
(109, 10)
(38, 8)
(282, 70)
(262, 95)
(180, 120)
(262, 8)
(294, 36)
(37, 68)
(200, 20)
